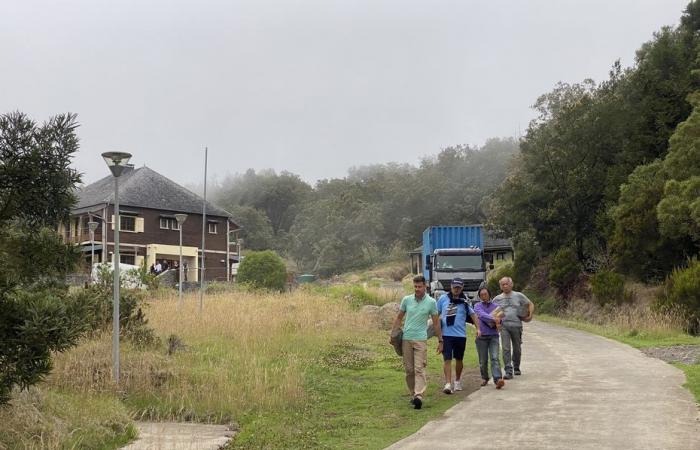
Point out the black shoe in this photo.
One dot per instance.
(508, 376)
(517, 372)
(417, 403)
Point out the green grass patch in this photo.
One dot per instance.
(357, 399)
(692, 378)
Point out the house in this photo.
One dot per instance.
(496, 251)
(149, 232)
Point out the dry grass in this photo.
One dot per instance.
(245, 353)
(43, 419)
(634, 317)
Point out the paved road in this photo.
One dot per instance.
(577, 391)
(179, 436)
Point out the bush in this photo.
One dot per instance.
(564, 271)
(609, 287)
(682, 292)
(264, 270)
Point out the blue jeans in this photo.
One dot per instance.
(487, 348)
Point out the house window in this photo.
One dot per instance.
(164, 223)
(174, 225)
(212, 228)
(127, 223)
(500, 256)
(127, 259)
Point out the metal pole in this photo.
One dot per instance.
(180, 274)
(115, 313)
(204, 228)
(92, 250)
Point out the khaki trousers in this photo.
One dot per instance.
(414, 362)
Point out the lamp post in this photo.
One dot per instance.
(116, 161)
(180, 221)
(92, 226)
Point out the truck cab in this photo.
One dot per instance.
(448, 263)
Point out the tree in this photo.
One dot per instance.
(257, 232)
(37, 316)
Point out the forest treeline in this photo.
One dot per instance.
(373, 214)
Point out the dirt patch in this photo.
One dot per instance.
(685, 354)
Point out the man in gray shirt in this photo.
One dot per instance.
(518, 309)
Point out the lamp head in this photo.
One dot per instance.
(116, 161)
(92, 226)
(180, 218)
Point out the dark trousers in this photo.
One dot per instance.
(511, 342)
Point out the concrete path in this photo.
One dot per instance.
(180, 436)
(577, 391)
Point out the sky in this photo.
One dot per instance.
(310, 87)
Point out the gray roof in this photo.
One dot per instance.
(492, 242)
(145, 188)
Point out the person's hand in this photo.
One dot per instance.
(478, 332)
(439, 347)
(527, 318)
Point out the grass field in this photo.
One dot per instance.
(301, 370)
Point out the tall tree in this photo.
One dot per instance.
(37, 316)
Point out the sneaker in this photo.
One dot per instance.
(484, 382)
(500, 383)
(508, 376)
(417, 403)
(458, 386)
(517, 372)
(447, 389)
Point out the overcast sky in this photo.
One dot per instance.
(311, 87)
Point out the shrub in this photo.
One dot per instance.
(682, 292)
(609, 287)
(564, 271)
(264, 270)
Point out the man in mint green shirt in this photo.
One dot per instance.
(417, 308)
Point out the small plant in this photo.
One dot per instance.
(263, 270)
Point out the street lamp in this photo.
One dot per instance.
(116, 161)
(92, 226)
(180, 220)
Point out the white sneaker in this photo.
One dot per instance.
(458, 385)
(447, 389)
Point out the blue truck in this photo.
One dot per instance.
(454, 251)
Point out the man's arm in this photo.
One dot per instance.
(475, 320)
(438, 331)
(397, 321)
(530, 309)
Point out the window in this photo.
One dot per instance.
(164, 223)
(174, 225)
(500, 256)
(212, 228)
(127, 259)
(127, 223)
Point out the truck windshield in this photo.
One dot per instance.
(458, 263)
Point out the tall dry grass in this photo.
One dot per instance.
(245, 353)
(638, 317)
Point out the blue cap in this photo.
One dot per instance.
(457, 282)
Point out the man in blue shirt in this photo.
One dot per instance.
(454, 309)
